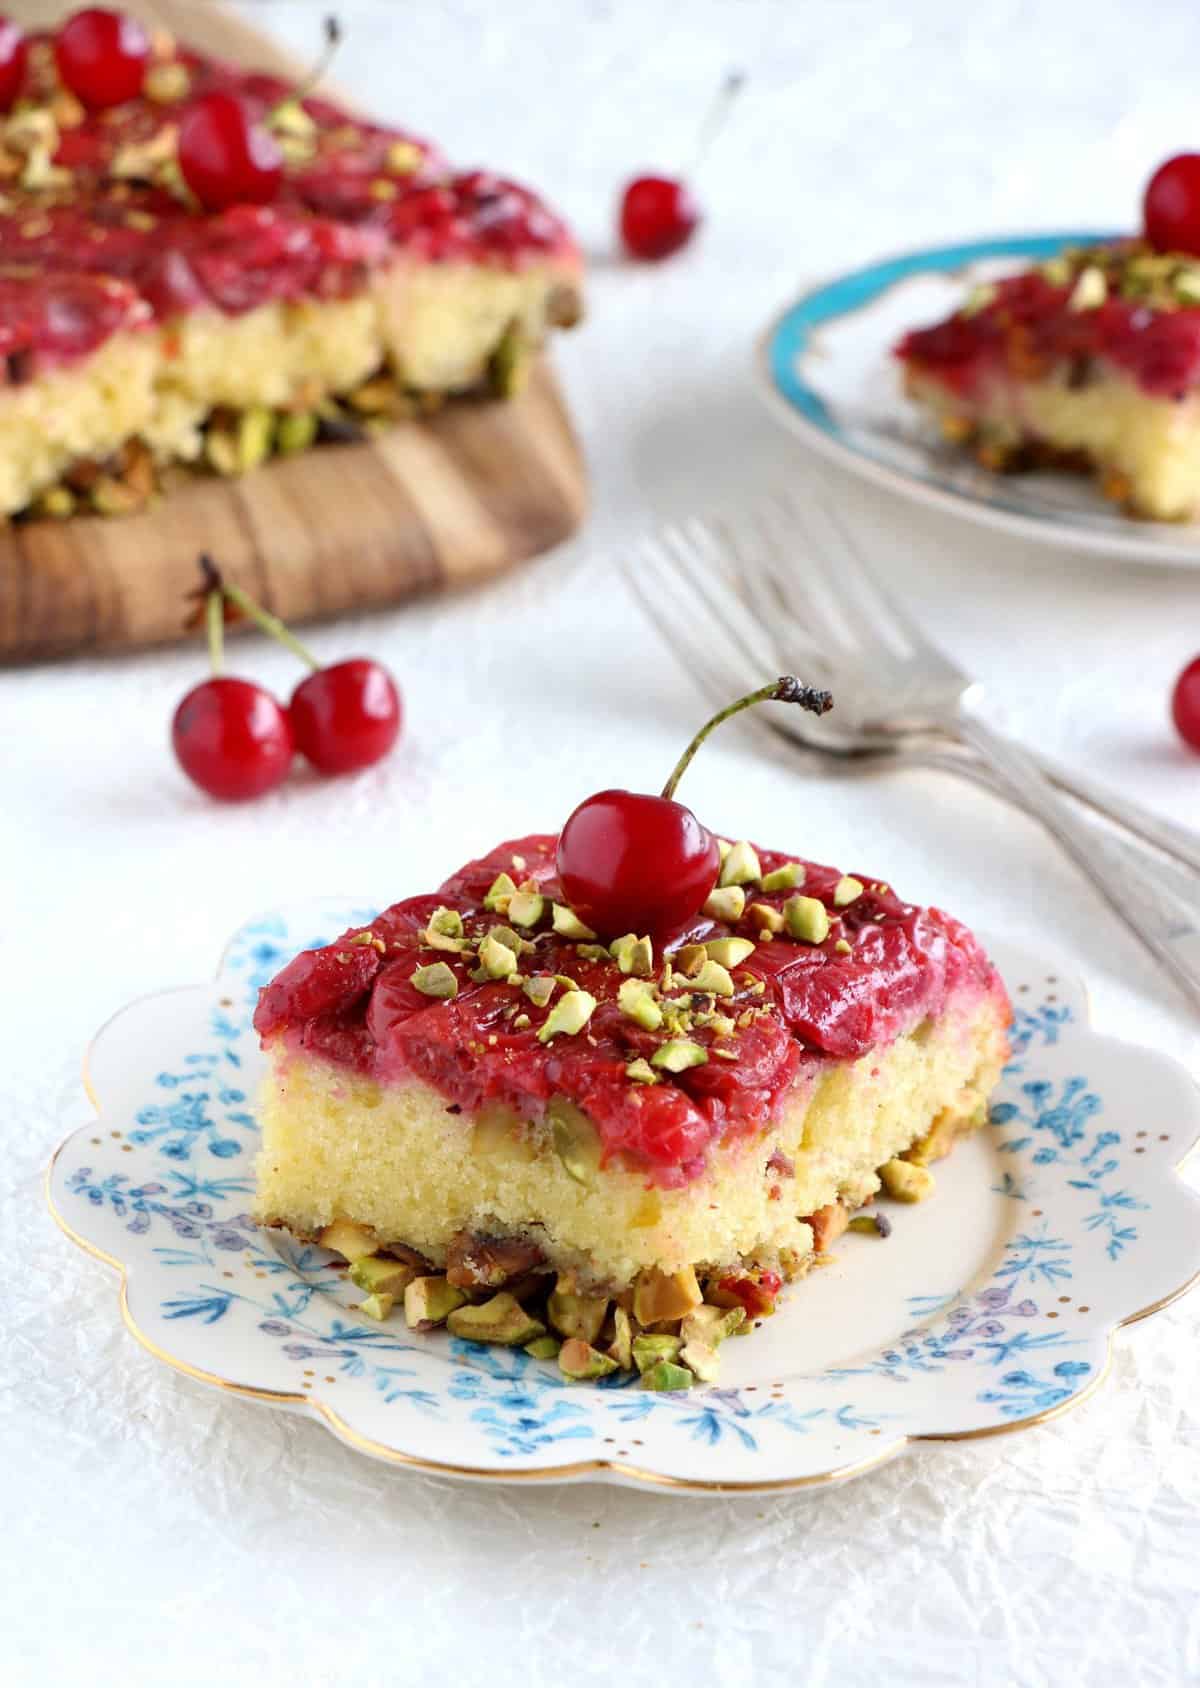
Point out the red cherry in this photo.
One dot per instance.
(630, 863)
(1185, 704)
(102, 56)
(232, 738)
(346, 716)
(226, 156)
(658, 216)
(13, 52)
(1171, 207)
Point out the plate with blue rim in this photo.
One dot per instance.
(826, 369)
(992, 1306)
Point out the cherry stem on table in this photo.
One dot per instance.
(714, 119)
(222, 592)
(787, 689)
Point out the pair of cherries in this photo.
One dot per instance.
(630, 862)
(235, 740)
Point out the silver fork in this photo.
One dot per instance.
(899, 698)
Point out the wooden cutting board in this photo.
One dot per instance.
(427, 506)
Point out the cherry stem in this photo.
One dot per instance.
(714, 119)
(225, 592)
(785, 690)
(214, 615)
(310, 80)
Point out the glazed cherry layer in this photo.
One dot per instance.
(351, 1005)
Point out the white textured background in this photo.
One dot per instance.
(154, 1533)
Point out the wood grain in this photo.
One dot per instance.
(426, 506)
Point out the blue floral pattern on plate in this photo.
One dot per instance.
(1076, 1223)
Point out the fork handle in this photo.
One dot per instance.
(1167, 927)
(1166, 835)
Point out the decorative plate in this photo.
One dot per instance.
(991, 1306)
(826, 368)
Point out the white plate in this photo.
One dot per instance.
(826, 368)
(991, 1307)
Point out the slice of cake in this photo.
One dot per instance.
(1089, 361)
(140, 329)
(513, 1125)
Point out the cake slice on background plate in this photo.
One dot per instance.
(526, 1117)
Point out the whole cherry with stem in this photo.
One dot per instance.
(14, 51)
(230, 737)
(102, 56)
(658, 214)
(343, 716)
(630, 862)
(227, 154)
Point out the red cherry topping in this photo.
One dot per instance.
(1185, 704)
(633, 863)
(13, 52)
(226, 156)
(232, 738)
(346, 716)
(1171, 207)
(102, 56)
(658, 216)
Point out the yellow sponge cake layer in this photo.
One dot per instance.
(397, 1160)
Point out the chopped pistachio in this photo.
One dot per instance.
(906, 1182)
(847, 890)
(575, 1315)
(575, 1141)
(403, 157)
(543, 1348)
(525, 908)
(579, 1361)
(702, 1361)
(677, 1055)
(445, 930)
(1090, 291)
(690, 959)
(807, 918)
(785, 878)
(1187, 285)
(379, 1275)
(721, 1026)
(255, 435)
(539, 989)
(870, 1224)
(621, 1346)
(666, 1376)
(723, 847)
(1057, 271)
(740, 867)
(352, 1241)
(522, 1022)
(568, 924)
(659, 1295)
(978, 299)
(497, 960)
(650, 1350)
(499, 893)
(378, 1305)
(569, 1015)
(730, 952)
(633, 955)
(296, 431)
(727, 902)
(714, 979)
(842, 947)
(502, 1320)
(765, 918)
(429, 1302)
(565, 981)
(510, 939)
(435, 980)
(711, 1325)
(641, 1072)
(592, 952)
(636, 999)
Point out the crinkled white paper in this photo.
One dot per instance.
(158, 1533)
